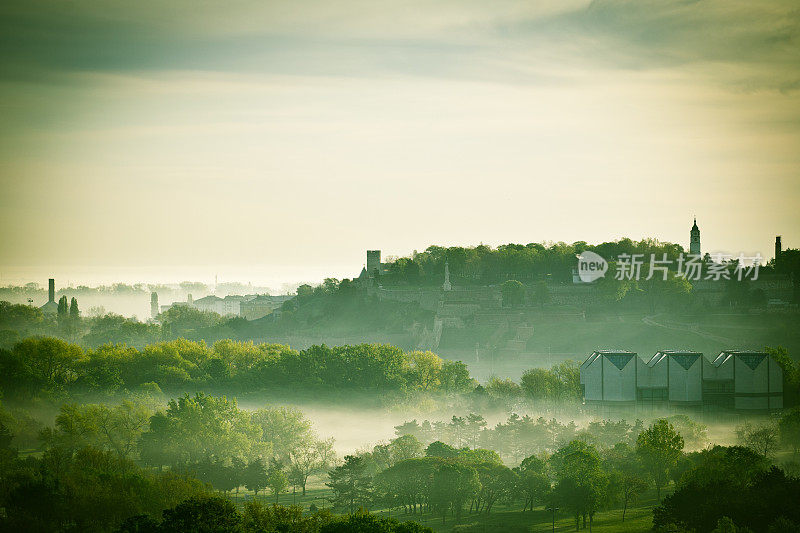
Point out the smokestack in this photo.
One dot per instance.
(153, 305)
(778, 248)
(51, 284)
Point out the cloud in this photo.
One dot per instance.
(503, 40)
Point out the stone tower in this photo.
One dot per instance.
(694, 239)
(373, 263)
(447, 286)
(153, 305)
(778, 248)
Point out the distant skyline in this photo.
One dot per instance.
(275, 142)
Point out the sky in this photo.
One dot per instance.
(276, 141)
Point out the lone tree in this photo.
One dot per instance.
(582, 485)
(276, 479)
(351, 484)
(659, 447)
(255, 476)
(63, 309)
(513, 293)
(533, 485)
(761, 438)
(452, 486)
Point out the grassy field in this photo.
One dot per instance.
(639, 517)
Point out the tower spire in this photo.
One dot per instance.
(694, 239)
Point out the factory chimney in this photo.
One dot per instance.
(153, 305)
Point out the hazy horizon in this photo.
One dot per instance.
(276, 277)
(274, 142)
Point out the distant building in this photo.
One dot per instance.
(682, 380)
(51, 307)
(258, 307)
(447, 286)
(188, 303)
(609, 377)
(694, 239)
(778, 249)
(153, 305)
(743, 380)
(230, 305)
(374, 268)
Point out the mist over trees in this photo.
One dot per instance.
(145, 421)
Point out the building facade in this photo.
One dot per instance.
(680, 380)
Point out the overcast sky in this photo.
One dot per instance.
(276, 141)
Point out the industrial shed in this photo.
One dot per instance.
(676, 380)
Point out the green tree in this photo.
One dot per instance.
(47, 362)
(116, 428)
(497, 482)
(440, 449)
(453, 484)
(425, 371)
(513, 293)
(454, 377)
(351, 484)
(276, 479)
(541, 294)
(286, 428)
(74, 312)
(203, 514)
(659, 447)
(255, 475)
(405, 447)
(762, 438)
(581, 484)
(201, 428)
(789, 429)
(533, 483)
(63, 310)
(406, 483)
(310, 457)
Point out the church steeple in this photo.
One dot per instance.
(694, 239)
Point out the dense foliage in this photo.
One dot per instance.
(51, 366)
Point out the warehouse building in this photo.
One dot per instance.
(682, 380)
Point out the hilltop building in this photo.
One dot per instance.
(51, 307)
(679, 380)
(374, 266)
(258, 307)
(230, 305)
(188, 303)
(694, 239)
(447, 286)
(250, 306)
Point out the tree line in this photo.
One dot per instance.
(52, 367)
(581, 476)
